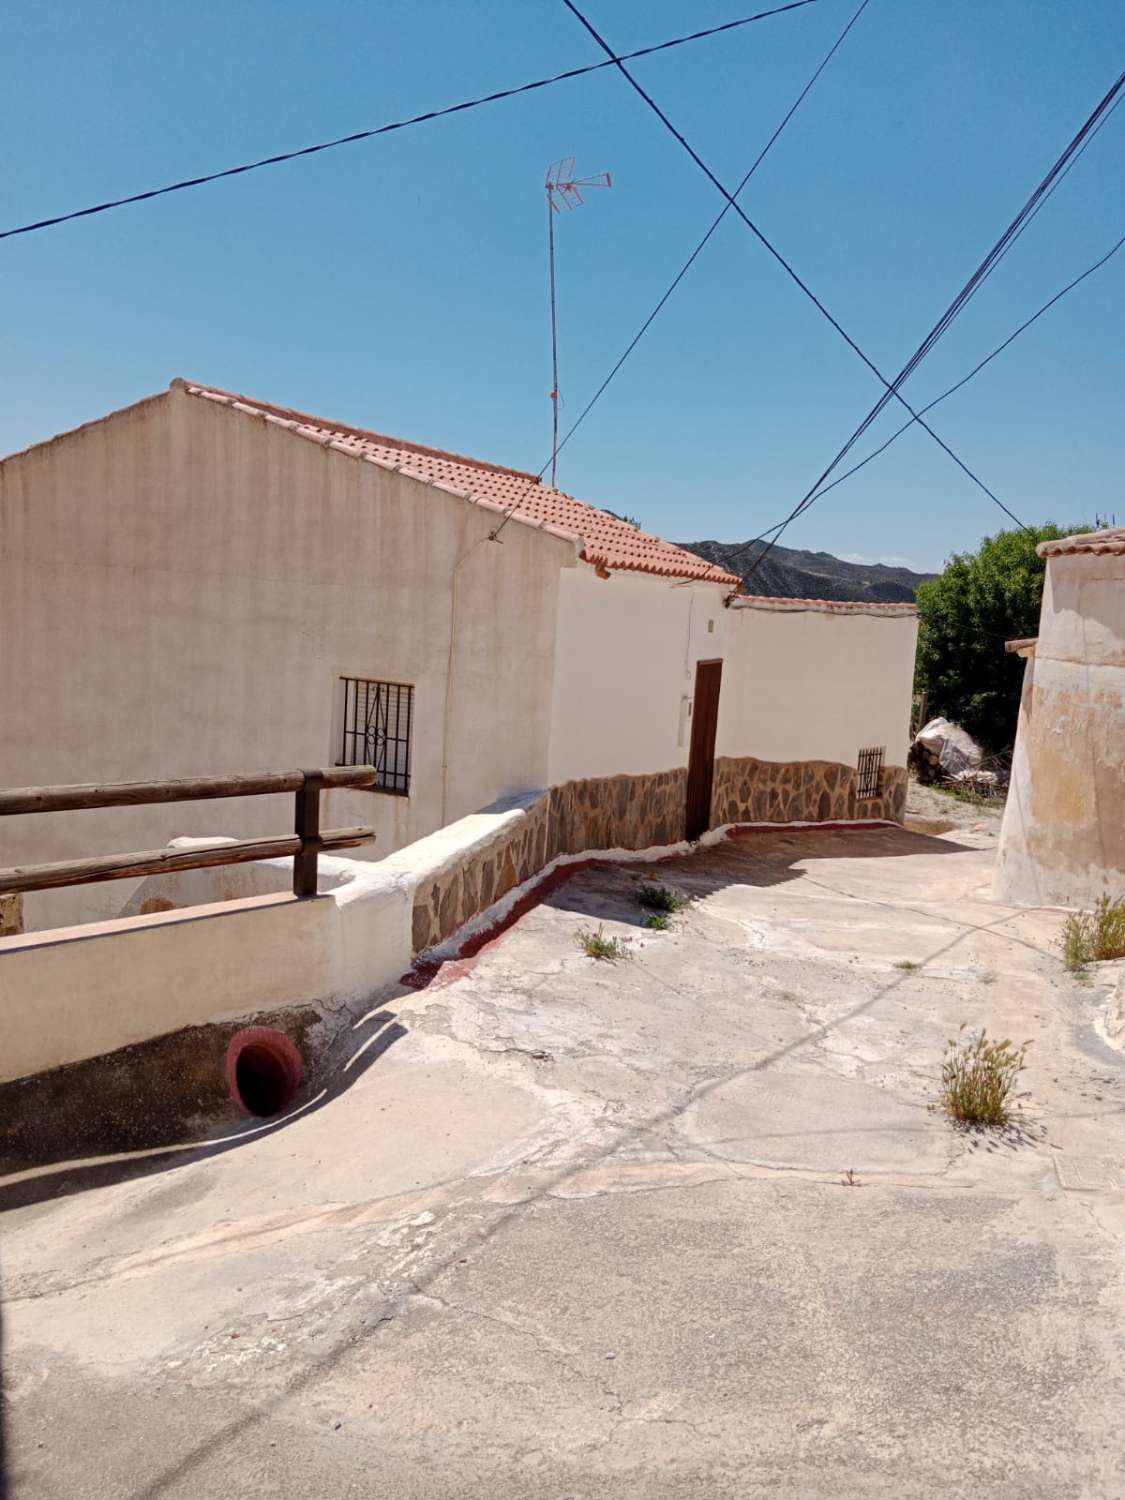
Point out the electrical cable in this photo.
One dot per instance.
(364, 135)
(988, 358)
(1089, 271)
(790, 272)
(686, 267)
(1106, 104)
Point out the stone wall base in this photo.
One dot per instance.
(606, 812)
(11, 914)
(640, 812)
(802, 791)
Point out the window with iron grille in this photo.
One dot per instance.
(870, 780)
(378, 718)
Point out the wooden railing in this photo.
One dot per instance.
(305, 843)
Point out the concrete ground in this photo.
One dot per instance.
(683, 1225)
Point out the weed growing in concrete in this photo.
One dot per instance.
(978, 1079)
(661, 897)
(907, 965)
(597, 945)
(1089, 936)
(657, 921)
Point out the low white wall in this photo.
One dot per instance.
(77, 992)
(73, 993)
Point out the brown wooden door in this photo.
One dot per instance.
(701, 760)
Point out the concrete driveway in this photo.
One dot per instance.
(682, 1225)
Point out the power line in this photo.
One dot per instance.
(1030, 207)
(433, 114)
(687, 265)
(875, 452)
(1046, 307)
(999, 349)
(788, 269)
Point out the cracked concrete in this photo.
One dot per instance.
(585, 1226)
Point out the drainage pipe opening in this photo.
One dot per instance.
(264, 1071)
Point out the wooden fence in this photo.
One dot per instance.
(305, 843)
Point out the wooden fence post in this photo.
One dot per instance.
(307, 828)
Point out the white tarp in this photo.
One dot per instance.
(954, 747)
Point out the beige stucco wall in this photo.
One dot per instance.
(182, 586)
(625, 671)
(809, 685)
(1062, 842)
(796, 684)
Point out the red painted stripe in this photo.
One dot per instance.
(428, 971)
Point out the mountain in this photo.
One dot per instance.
(790, 573)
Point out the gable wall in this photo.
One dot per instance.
(182, 587)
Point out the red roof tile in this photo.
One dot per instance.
(607, 540)
(1107, 543)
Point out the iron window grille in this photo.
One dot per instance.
(378, 719)
(870, 780)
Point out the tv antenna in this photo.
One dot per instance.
(564, 190)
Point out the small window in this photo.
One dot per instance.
(378, 718)
(870, 782)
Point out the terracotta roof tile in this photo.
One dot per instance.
(607, 540)
(1110, 542)
(828, 606)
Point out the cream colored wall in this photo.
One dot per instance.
(1062, 842)
(796, 685)
(182, 586)
(817, 686)
(78, 992)
(625, 669)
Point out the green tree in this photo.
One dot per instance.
(965, 615)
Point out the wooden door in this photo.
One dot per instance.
(701, 760)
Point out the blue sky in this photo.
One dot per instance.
(401, 284)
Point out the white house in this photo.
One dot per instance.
(204, 584)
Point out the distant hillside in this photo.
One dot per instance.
(788, 573)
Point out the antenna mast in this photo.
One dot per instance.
(563, 191)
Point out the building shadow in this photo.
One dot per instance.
(761, 857)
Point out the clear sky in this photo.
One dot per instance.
(401, 283)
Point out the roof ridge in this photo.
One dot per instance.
(607, 541)
(846, 606)
(383, 439)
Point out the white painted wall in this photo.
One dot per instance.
(78, 992)
(810, 685)
(625, 668)
(181, 586)
(1062, 842)
(796, 684)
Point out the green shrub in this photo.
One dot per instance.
(980, 599)
(978, 1080)
(661, 897)
(657, 921)
(1090, 936)
(597, 945)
